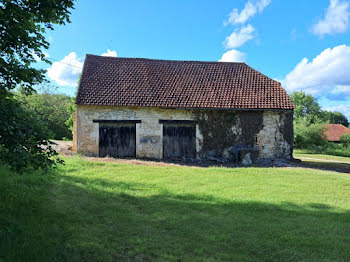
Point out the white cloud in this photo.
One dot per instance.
(239, 37)
(329, 72)
(66, 71)
(336, 19)
(110, 53)
(249, 10)
(233, 56)
(344, 109)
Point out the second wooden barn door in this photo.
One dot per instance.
(117, 139)
(179, 140)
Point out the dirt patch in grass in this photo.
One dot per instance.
(63, 147)
(133, 161)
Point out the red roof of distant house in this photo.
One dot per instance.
(335, 131)
(118, 81)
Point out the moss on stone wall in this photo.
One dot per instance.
(287, 128)
(222, 130)
(288, 131)
(251, 122)
(216, 128)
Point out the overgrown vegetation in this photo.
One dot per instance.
(308, 109)
(71, 111)
(53, 110)
(310, 126)
(345, 140)
(96, 211)
(24, 138)
(216, 128)
(306, 134)
(22, 41)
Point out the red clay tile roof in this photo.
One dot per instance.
(335, 131)
(179, 84)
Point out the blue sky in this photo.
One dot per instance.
(303, 44)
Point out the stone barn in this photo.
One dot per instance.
(160, 109)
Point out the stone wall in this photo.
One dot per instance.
(267, 131)
(149, 133)
(275, 139)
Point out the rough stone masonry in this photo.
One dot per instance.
(270, 132)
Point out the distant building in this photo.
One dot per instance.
(335, 131)
(145, 108)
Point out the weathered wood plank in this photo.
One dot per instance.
(117, 139)
(179, 141)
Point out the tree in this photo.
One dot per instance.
(71, 111)
(22, 27)
(23, 138)
(309, 135)
(335, 118)
(310, 120)
(345, 140)
(306, 106)
(23, 24)
(51, 109)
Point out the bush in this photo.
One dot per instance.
(341, 151)
(23, 138)
(51, 109)
(71, 111)
(345, 140)
(308, 136)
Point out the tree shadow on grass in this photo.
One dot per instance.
(278, 163)
(101, 220)
(330, 166)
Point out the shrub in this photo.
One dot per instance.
(306, 136)
(345, 140)
(23, 138)
(51, 109)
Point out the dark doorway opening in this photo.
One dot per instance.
(179, 140)
(117, 139)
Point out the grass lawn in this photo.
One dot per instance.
(330, 150)
(98, 211)
(324, 161)
(301, 154)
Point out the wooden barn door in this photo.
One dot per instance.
(117, 139)
(179, 140)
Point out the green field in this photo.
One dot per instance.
(330, 162)
(327, 158)
(99, 211)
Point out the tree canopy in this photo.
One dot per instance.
(308, 109)
(22, 27)
(24, 140)
(335, 118)
(306, 106)
(53, 110)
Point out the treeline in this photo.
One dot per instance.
(54, 111)
(310, 125)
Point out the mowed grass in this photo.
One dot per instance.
(302, 154)
(98, 211)
(330, 162)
